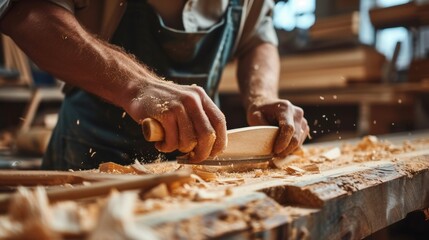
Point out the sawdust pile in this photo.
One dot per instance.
(30, 213)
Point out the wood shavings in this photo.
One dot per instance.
(111, 167)
(236, 181)
(205, 195)
(140, 168)
(159, 191)
(332, 154)
(149, 205)
(200, 180)
(117, 219)
(258, 173)
(71, 219)
(313, 168)
(294, 170)
(283, 162)
(29, 216)
(205, 175)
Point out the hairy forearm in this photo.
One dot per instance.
(55, 41)
(258, 73)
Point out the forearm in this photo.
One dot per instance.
(258, 73)
(58, 44)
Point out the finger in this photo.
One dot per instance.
(293, 145)
(305, 130)
(286, 131)
(204, 131)
(170, 143)
(299, 134)
(187, 137)
(257, 118)
(218, 122)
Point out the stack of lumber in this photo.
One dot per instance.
(419, 70)
(345, 26)
(405, 15)
(320, 69)
(336, 67)
(15, 59)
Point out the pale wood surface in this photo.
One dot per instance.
(247, 142)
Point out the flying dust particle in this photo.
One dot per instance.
(335, 97)
(78, 122)
(322, 98)
(399, 101)
(375, 122)
(124, 114)
(92, 155)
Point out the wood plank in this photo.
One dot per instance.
(254, 214)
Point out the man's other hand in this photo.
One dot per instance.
(290, 119)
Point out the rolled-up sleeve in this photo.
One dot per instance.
(258, 26)
(70, 5)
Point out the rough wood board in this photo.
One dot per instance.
(256, 213)
(48, 178)
(348, 202)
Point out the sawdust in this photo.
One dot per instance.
(212, 184)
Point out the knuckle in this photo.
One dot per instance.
(197, 89)
(299, 112)
(190, 99)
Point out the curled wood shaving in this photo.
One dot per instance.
(283, 162)
(205, 195)
(206, 175)
(159, 191)
(111, 167)
(258, 173)
(140, 168)
(200, 180)
(313, 168)
(294, 170)
(117, 219)
(236, 181)
(332, 154)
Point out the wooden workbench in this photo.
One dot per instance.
(347, 199)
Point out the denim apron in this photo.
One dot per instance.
(91, 131)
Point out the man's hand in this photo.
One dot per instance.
(191, 121)
(290, 119)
